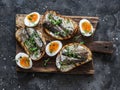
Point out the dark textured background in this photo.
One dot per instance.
(107, 67)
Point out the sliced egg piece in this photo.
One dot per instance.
(53, 48)
(23, 60)
(86, 27)
(32, 19)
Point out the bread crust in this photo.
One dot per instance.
(18, 38)
(77, 64)
(58, 37)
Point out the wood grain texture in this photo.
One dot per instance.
(51, 67)
(101, 47)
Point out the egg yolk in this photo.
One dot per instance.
(53, 47)
(24, 61)
(86, 26)
(33, 17)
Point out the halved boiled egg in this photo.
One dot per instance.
(23, 60)
(53, 48)
(86, 27)
(32, 19)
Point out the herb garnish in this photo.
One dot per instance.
(33, 49)
(61, 63)
(66, 32)
(57, 33)
(76, 38)
(53, 21)
(30, 18)
(56, 22)
(69, 53)
(46, 61)
(90, 32)
(82, 42)
(30, 42)
(36, 53)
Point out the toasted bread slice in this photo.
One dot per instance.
(72, 55)
(58, 26)
(27, 41)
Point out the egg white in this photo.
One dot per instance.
(82, 31)
(17, 58)
(29, 23)
(54, 53)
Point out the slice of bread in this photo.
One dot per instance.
(67, 24)
(60, 59)
(41, 53)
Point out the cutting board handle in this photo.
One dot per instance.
(101, 47)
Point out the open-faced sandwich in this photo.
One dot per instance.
(32, 42)
(72, 55)
(58, 26)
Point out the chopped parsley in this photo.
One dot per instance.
(69, 53)
(30, 43)
(46, 61)
(57, 33)
(53, 21)
(82, 42)
(76, 38)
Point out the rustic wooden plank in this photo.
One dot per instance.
(84, 69)
(51, 68)
(87, 17)
(101, 47)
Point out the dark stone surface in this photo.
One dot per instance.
(107, 67)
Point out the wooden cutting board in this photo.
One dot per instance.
(95, 46)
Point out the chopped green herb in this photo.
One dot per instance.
(35, 34)
(51, 51)
(27, 42)
(50, 16)
(76, 38)
(82, 42)
(63, 33)
(30, 43)
(67, 31)
(36, 53)
(57, 33)
(69, 53)
(86, 31)
(58, 22)
(30, 18)
(74, 55)
(33, 49)
(53, 21)
(46, 61)
(19, 58)
(60, 62)
(90, 32)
